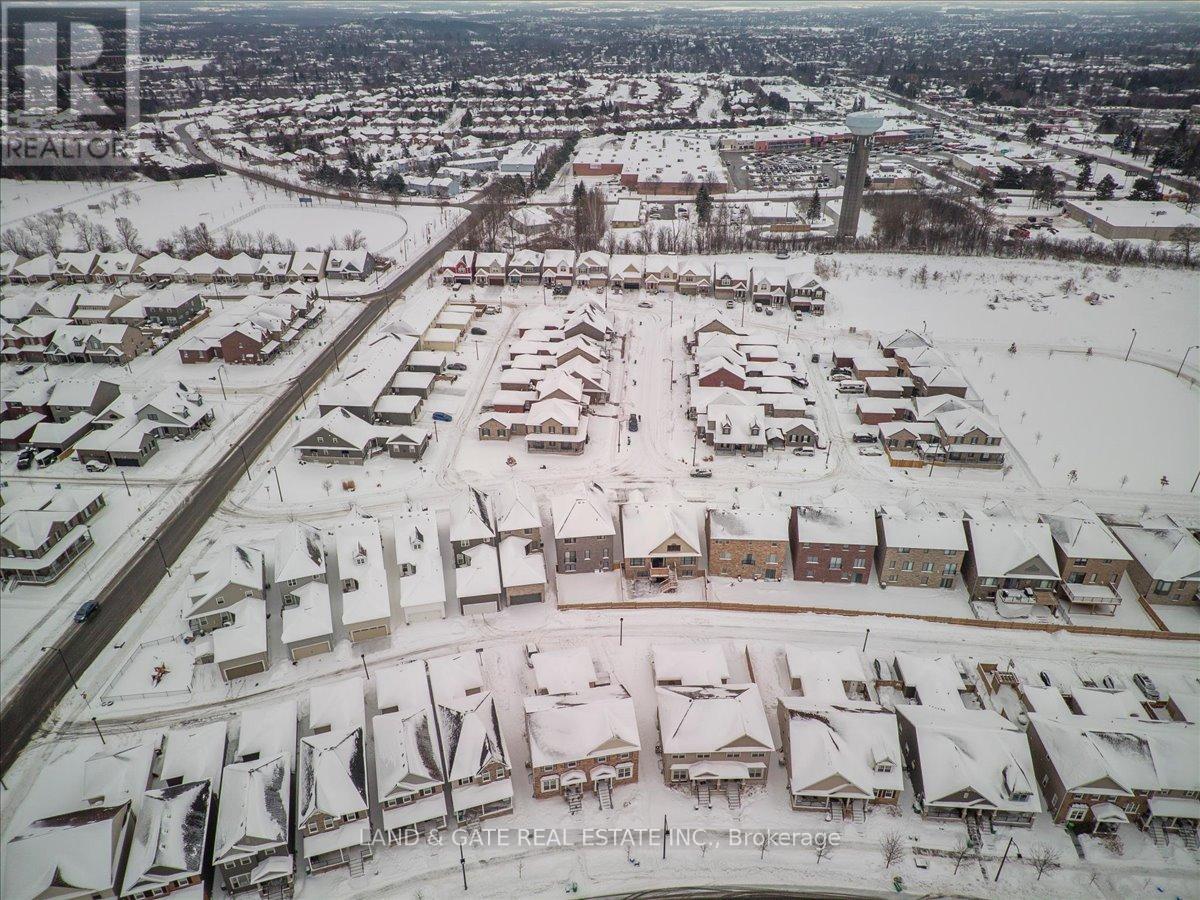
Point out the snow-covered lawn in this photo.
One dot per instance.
(388, 231)
(1103, 418)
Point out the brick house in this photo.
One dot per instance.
(720, 372)
(584, 534)
(457, 267)
(1166, 560)
(587, 740)
(833, 542)
(919, 549)
(747, 543)
(1091, 561)
(1010, 555)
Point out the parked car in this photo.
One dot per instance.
(864, 436)
(442, 417)
(25, 458)
(782, 254)
(729, 304)
(561, 289)
(493, 310)
(869, 451)
(1146, 686)
(797, 315)
(841, 370)
(25, 369)
(840, 376)
(804, 451)
(477, 330)
(798, 380)
(457, 367)
(769, 311)
(758, 307)
(46, 458)
(645, 304)
(530, 650)
(95, 465)
(633, 422)
(86, 611)
(701, 473)
(456, 287)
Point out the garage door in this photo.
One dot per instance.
(476, 609)
(365, 634)
(311, 650)
(514, 599)
(254, 668)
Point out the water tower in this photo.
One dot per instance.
(863, 124)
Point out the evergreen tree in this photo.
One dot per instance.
(703, 205)
(814, 206)
(1084, 181)
(1145, 189)
(1106, 188)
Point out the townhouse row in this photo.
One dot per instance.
(125, 266)
(727, 279)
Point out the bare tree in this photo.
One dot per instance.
(128, 235)
(891, 847)
(1043, 859)
(961, 849)
(824, 850)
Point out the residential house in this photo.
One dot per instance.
(299, 557)
(747, 542)
(714, 739)
(43, 533)
(491, 268)
(349, 265)
(834, 541)
(693, 665)
(408, 765)
(584, 534)
(919, 547)
(591, 269)
(1166, 560)
(972, 765)
(307, 266)
(731, 280)
(516, 513)
(558, 268)
(307, 621)
(525, 267)
(477, 579)
(341, 437)
(662, 273)
(1013, 557)
(240, 644)
(333, 825)
(661, 539)
(421, 588)
(471, 520)
(226, 575)
(586, 739)
(695, 276)
(252, 844)
(522, 571)
(172, 837)
(479, 772)
(366, 607)
(1091, 561)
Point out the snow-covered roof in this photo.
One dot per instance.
(647, 526)
(299, 553)
(247, 636)
(471, 734)
(584, 513)
(935, 678)
(1003, 548)
(471, 516)
(311, 616)
(845, 748)
(267, 731)
(748, 524)
(480, 577)
(515, 507)
(236, 565)
(921, 531)
(690, 664)
(838, 519)
(406, 753)
(712, 719)
(1166, 553)
(1079, 533)
(973, 759)
(593, 722)
(822, 674)
(76, 853)
(419, 559)
(563, 671)
(360, 558)
(332, 777)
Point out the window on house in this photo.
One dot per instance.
(860, 562)
(835, 562)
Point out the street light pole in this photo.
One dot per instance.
(462, 861)
(1011, 844)
(66, 665)
(621, 639)
(1131, 340)
(162, 555)
(1179, 371)
(865, 637)
(278, 486)
(98, 731)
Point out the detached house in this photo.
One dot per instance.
(919, 548)
(224, 577)
(747, 542)
(408, 766)
(352, 265)
(661, 539)
(558, 268)
(584, 534)
(421, 589)
(366, 607)
(457, 267)
(525, 267)
(971, 765)
(833, 542)
(591, 269)
(1166, 560)
(1011, 562)
(731, 280)
(332, 801)
(1091, 560)
(491, 268)
(480, 777)
(252, 846)
(714, 738)
(585, 741)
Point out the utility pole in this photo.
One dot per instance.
(366, 672)
(621, 639)
(666, 831)
(98, 731)
(865, 637)
(128, 493)
(1179, 371)
(162, 555)
(1005, 857)
(66, 666)
(1131, 340)
(278, 486)
(245, 462)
